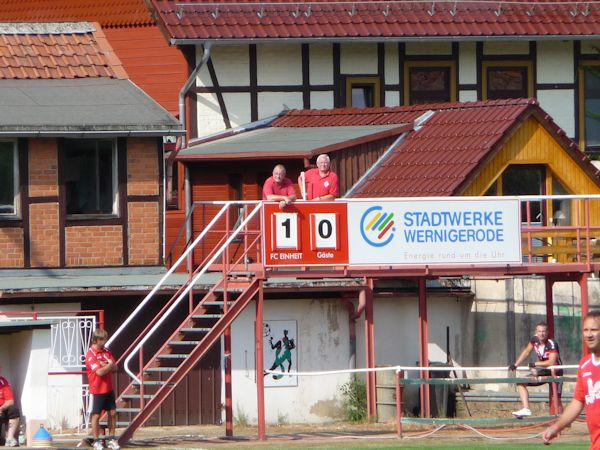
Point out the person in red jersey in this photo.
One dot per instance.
(548, 354)
(587, 389)
(100, 365)
(279, 188)
(9, 411)
(320, 184)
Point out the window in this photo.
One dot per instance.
(172, 184)
(9, 178)
(429, 82)
(526, 180)
(90, 176)
(589, 113)
(507, 80)
(362, 92)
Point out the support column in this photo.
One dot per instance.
(583, 286)
(550, 305)
(549, 284)
(423, 350)
(509, 292)
(370, 349)
(227, 363)
(260, 364)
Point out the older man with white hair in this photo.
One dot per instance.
(320, 183)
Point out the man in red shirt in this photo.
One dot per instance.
(587, 389)
(8, 410)
(279, 188)
(320, 184)
(100, 365)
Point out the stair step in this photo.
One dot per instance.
(150, 383)
(160, 369)
(207, 316)
(215, 303)
(128, 410)
(134, 397)
(195, 330)
(184, 343)
(122, 424)
(173, 356)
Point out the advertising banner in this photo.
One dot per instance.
(484, 230)
(452, 231)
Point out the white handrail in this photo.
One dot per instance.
(174, 267)
(257, 208)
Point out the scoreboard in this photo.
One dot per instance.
(305, 234)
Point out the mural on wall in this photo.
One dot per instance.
(280, 352)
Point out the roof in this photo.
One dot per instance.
(441, 158)
(287, 142)
(109, 13)
(90, 106)
(61, 79)
(119, 281)
(56, 50)
(200, 20)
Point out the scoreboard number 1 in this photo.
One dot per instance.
(286, 231)
(323, 231)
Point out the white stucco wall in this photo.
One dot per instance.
(560, 104)
(506, 48)
(270, 103)
(467, 63)
(322, 344)
(276, 67)
(555, 62)
(391, 70)
(359, 59)
(320, 58)
(429, 48)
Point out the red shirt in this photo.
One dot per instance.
(272, 188)
(318, 186)
(99, 384)
(587, 391)
(6, 392)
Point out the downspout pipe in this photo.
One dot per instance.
(187, 189)
(353, 315)
(186, 87)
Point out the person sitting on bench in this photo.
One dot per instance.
(9, 412)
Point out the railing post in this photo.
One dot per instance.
(142, 389)
(399, 402)
(554, 402)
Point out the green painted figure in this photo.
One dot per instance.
(283, 352)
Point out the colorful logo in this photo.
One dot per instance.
(377, 226)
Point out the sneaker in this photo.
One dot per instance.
(525, 412)
(113, 444)
(98, 445)
(11, 443)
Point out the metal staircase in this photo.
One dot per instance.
(180, 353)
(158, 372)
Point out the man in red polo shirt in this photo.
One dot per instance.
(279, 187)
(9, 411)
(100, 365)
(587, 389)
(320, 184)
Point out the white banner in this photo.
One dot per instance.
(452, 231)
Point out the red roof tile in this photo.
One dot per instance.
(54, 51)
(109, 13)
(239, 19)
(439, 158)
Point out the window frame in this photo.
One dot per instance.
(353, 81)
(486, 65)
(16, 182)
(581, 109)
(115, 213)
(445, 64)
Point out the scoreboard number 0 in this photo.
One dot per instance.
(323, 231)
